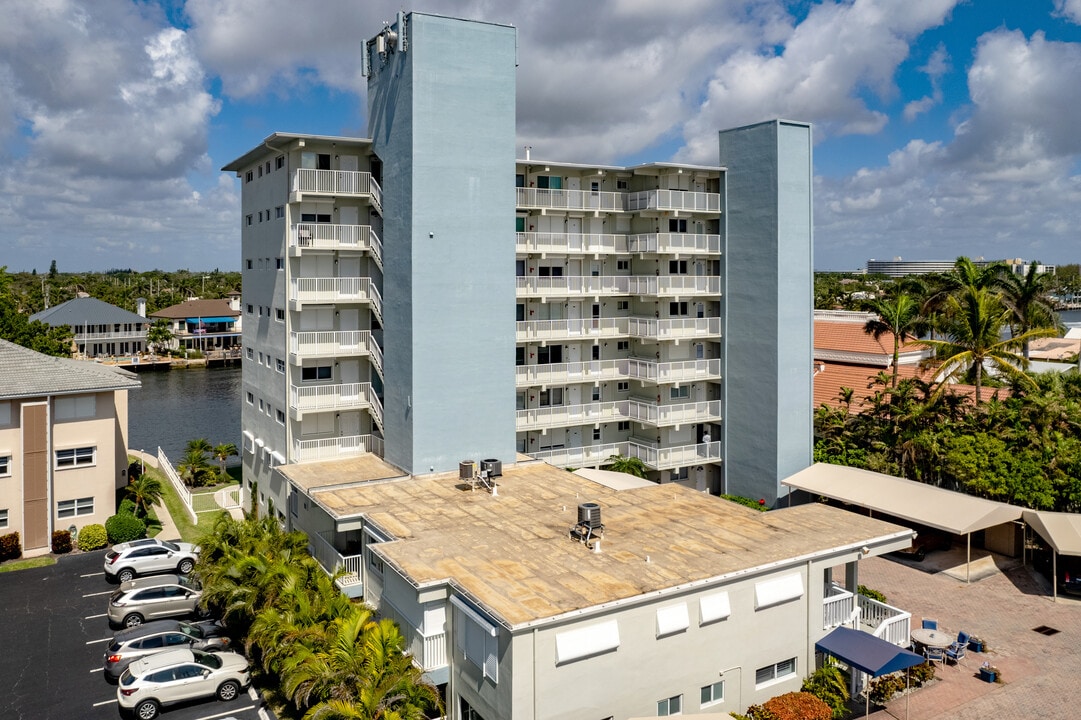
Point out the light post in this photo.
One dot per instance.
(205, 278)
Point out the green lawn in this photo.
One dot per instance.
(189, 531)
(27, 564)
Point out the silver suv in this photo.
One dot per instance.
(179, 675)
(148, 556)
(154, 637)
(151, 598)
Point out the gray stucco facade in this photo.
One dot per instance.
(441, 118)
(769, 325)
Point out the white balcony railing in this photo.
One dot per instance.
(672, 372)
(118, 335)
(570, 243)
(428, 649)
(581, 456)
(666, 458)
(674, 285)
(570, 199)
(332, 560)
(650, 413)
(569, 329)
(838, 607)
(573, 285)
(674, 200)
(337, 447)
(334, 343)
(566, 415)
(336, 290)
(675, 243)
(557, 373)
(344, 183)
(325, 236)
(343, 396)
(674, 328)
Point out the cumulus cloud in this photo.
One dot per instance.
(937, 66)
(1069, 9)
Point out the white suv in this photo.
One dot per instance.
(148, 556)
(179, 675)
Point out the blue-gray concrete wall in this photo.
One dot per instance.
(769, 328)
(441, 118)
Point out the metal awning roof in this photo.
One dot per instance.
(1061, 530)
(945, 510)
(867, 653)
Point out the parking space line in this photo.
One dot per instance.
(263, 715)
(92, 574)
(95, 642)
(251, 693)
(96, 670)
(105, 702)
(107, 592)
(227, 712)
(93, 617)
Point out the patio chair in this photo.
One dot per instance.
(930, 624)
(956, 652)
(934, 654)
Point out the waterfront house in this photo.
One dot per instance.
(99, 329)
(63, 443)
(204, 324)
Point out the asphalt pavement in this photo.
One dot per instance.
(54, 634)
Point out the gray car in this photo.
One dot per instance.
(158, 635)
(151, 598)
(147, 556)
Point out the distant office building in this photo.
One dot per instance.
(901, 268)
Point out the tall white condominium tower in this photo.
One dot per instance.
(424, 296)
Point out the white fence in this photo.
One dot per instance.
(185, 495)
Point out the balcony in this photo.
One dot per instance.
(843, 607)
(351, 581)
(572, 286)
(344, 396)
(541, 243)
(323, 236)
(336, 290)
(674, 328)
(577, 329)
(543, 199)
(337, 183)
(674, 200)
(331, 343)
(111, 335)
(427, 648)
(674, 285)
(672, 372)
(580, 456)
(337, 447)
(543, 418)
(676, 414)
(675, 243)
(559, 373)
(667, 458)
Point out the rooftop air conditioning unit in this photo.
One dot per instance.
(491, 467)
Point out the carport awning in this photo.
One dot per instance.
(867, 653)
(944, 510)
(1061, 530)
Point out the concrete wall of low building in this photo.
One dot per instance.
(106, 431)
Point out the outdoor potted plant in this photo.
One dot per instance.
(976, 644)
(989, 673)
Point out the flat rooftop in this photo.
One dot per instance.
(512, 551)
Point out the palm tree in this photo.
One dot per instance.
(223, 452)
(193, 467)
(201, 445)
(1026, 297)
(145, 491)
(158, 335)
(899, 316)
(630, 465)
(976, 319)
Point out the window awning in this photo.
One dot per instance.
(196, 321)
(945, 510)
(867, 653)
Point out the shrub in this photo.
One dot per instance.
(10, 547)
(127, 507)
(759, 505)
(922, 674)
(871, 593)
(885, 687)
(93, 537)
(61, 542)
(123, 527)
(798, 706)
(830, 685)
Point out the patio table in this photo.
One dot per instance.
(933, 638)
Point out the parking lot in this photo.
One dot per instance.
(53, 636)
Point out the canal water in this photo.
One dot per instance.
(174, 406)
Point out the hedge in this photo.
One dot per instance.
(61, 542)
(93, 537)
(123, 527)
(10, 547)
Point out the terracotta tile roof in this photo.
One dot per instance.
(850, 337)
(197, 308)
(862, 379)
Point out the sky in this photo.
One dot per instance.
(941, 127)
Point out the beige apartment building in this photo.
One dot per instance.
(63, 443)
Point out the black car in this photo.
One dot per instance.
(159, 635)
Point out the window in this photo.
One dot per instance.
(677, 225)
(373, 561)
(279, 162)
(476, 638)
(267, 167)
(623, 264)
(677, 267)
(315, 161)
(5, 413)
(5, 465)
(75, 408)
(552, 354)
(713, 694)
(545, 182)
(279, 212)
(248, 177)
(680, 392)
(261, 356)
(250, 398)
(775, 672)
(550, 271)
(596, 397)
(248, 218)
(251, 308)
(623, 425)
(72, 508)
(670, 706)
(279, 365)
(519, 356)
(260, 216)
(279, 314)
(519, 180)
(677, 309)
(75, 457)
(596, 434)
(314, 218)
(3, 518)
(261, 405)
(623, 345)
(623, 304)
(250, 353)
(321, 372)
(551, 396)
(279, 264)
(623, 386)
(621, 185)
(280, 417)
